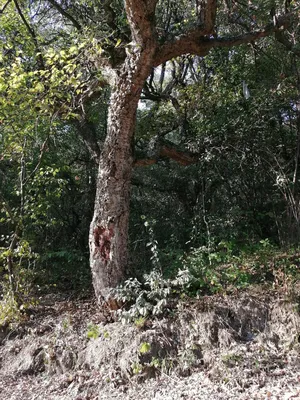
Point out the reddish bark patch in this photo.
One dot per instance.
(102, 239)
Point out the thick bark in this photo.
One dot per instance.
(109, 228)
(108, 232)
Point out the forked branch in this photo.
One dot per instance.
(197, 42)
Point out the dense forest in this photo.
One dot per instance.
(210, 122)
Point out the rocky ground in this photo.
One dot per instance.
(242, 346)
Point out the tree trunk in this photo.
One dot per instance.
(109, 228)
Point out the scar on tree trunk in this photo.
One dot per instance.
(102, 240)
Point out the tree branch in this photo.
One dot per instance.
(32, 34)
(207, 10)
(196, 42)
(42, 151)
(282, 22)
(193, 42)
(4, 7)
(169, 150)
(65, 14)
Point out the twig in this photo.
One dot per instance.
(4, 7)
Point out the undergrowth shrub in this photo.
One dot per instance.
(147, 298)
(207, 271)
(16, 286)
(227, 266)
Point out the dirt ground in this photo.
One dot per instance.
(242, 346)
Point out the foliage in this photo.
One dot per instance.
(245, 185)
(149, 298)
(145, 347)
(9, 311)
(93, 331)
(205, 271)
(195, 225)
(140, 322)
(16, 290)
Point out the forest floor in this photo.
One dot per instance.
(239, 346)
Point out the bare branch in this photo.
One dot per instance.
(65, 14)
(4, 7)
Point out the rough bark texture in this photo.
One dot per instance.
(108, 232)
(109, 228)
